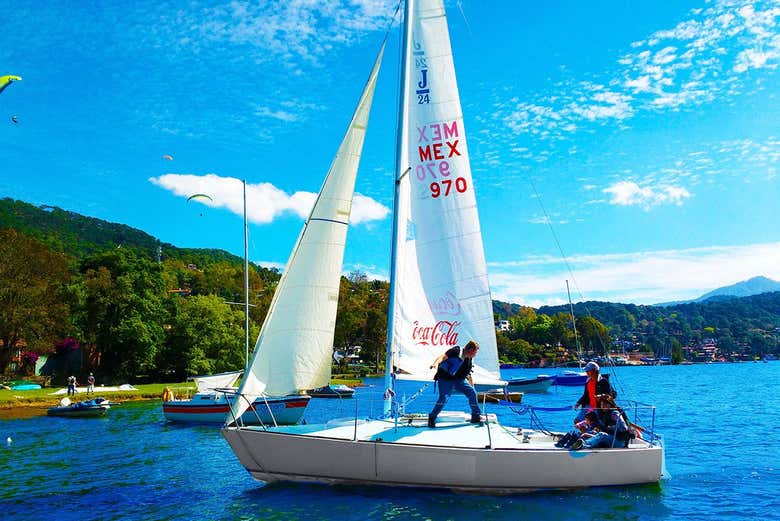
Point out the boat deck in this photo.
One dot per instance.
(452, 430)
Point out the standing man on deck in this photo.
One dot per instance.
(454, 374)
(595, 386)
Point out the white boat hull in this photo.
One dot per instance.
(287, 410)
(414, 455)
(533, 385)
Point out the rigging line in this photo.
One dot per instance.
(555, 235)
(463, 14)
(415, 395)
(570, 270)
(564, 257)
(393, 18)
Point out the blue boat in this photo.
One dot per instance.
(570, 379)
(24, 385)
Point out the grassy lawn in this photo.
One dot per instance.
(41, 397)
(44, 397)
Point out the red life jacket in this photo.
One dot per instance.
(591, 387)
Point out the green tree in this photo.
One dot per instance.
(123, 313)
(514, 351)
(205, 335)
(594, 335)
(34, 297)
(677, 354)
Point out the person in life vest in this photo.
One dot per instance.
(454, 374)
(595, 386)
(613, 431)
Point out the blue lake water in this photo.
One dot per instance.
(719, 423)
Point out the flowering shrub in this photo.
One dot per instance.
(66, 345)
(29, 358)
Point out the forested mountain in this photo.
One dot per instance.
(79, 236)
(749, 325)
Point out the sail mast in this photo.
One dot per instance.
(401, 169)
(574, 325)
(246, 286)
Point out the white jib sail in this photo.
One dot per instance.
(295, 346)
(442, 295)
(216, 381)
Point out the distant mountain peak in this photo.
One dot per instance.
(745, 288)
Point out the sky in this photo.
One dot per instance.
(631, 148)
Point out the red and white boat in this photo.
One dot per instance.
(215, 393)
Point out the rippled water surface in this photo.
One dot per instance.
(719, 423)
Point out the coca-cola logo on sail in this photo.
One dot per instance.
(444, 333)
(446, 304)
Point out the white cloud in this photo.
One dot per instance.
(641, 277)
(752, 59)
(294, 28)
(265, 202)
(699, 60)
(365, 209)
(281, 115)
(629, 193)
(544, 219)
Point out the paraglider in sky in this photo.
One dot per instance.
(200, 196)
(15, 118)
(5, 81)
(168, 157)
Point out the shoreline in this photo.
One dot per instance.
(30, 408)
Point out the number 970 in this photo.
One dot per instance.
(444, 187)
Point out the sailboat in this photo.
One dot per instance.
(216, 393)
(572, 378)
(439, 297)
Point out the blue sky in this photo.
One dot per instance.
(643, 138)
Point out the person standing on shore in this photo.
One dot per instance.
(91, 383)
(454, 374)
(71, 385)
(595, 386)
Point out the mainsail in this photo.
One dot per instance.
(441, 295)
(294, 349)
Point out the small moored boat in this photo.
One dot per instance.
(86, 409)
(332, 391)
(570, 379)
(540, 384)
(498, 395)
